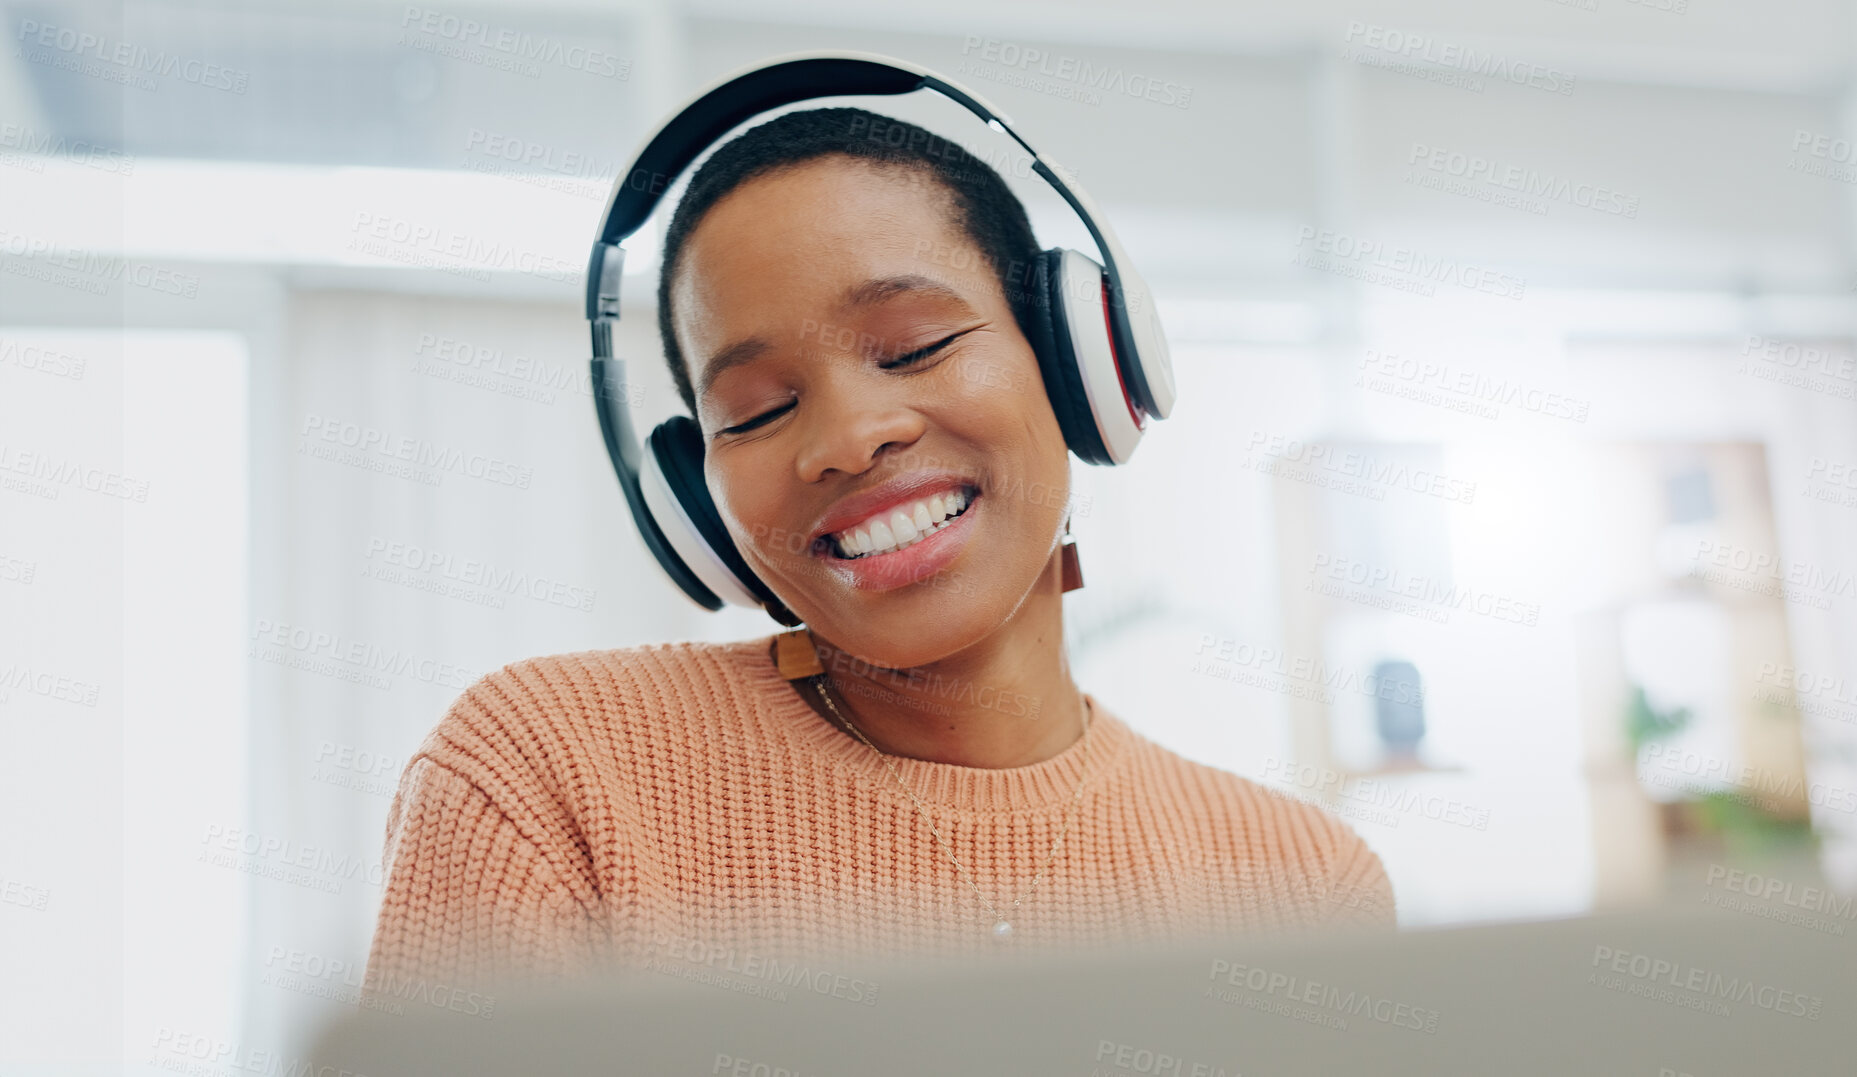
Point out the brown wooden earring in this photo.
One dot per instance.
(797, 655)
(1073, 570)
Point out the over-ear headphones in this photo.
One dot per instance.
(1099, 343)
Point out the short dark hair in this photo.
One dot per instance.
(984, 208)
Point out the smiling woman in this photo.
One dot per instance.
(862, 329)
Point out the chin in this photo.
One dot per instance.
(914, 627)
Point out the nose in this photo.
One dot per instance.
(850, 427)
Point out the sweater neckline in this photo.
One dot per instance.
(1046, 784)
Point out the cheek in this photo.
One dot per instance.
(1001, 408)
(1000, 399)
(751, 510)
(1002, 387)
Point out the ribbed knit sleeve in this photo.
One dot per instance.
(1358, 891)
(470, 902)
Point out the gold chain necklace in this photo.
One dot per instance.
(1002, 927)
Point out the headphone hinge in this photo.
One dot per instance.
(604, 271)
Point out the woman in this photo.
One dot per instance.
(849, 321)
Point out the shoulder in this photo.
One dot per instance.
(579, 683)
(1286, 841)
(1280, 819)
(594, 686)
(554, 723)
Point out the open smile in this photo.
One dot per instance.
(905, 544)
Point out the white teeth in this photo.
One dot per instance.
(901, 527)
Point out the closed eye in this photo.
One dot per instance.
(924, 353)
(759, 420)
(891, 364)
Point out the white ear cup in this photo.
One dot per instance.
(681, 533)
(1086, 320)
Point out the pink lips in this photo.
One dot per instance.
(895, 493)
(898, 568)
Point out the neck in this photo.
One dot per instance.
(1006, 701)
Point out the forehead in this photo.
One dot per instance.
(786, 245)
(823, 200)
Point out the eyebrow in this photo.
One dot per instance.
(870, 292)
(876, 291)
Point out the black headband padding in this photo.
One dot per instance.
(1057, 362)
(724, 108)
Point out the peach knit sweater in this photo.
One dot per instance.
(676, 803)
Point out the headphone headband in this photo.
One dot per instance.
(724, 106)
(785, 80)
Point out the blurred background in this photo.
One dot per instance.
(1509, 509)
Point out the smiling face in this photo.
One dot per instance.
(855, 358)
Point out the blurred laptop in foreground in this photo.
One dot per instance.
(1709, 988)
